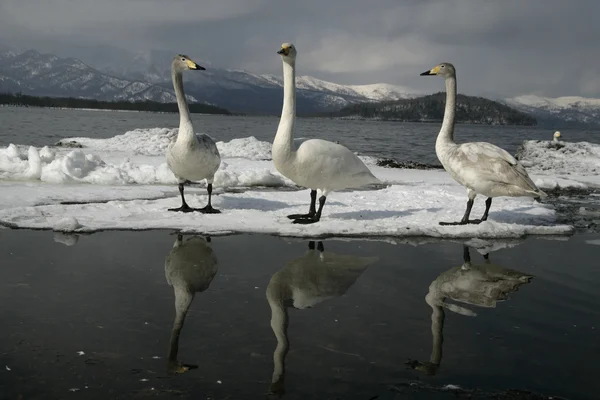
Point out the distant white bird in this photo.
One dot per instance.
(303, 283)
(481, 167)
(481, 285)
(556, 136)
(191, 157)
(316, 163)
(189, 268)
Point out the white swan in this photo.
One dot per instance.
(316, 163)
(191, 157)
(480, 285)
(304, 283)
(556, 136)
(481, 167)
(189, 268)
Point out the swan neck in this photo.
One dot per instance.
(284, 138)
(437, 332)
(279, 325)
(183, 300)
(446, 134)
(186, 129)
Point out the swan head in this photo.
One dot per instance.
(287, 51)
(443, 69)
(556, 136)
(181, 62)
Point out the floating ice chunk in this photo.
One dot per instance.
(46, 154)
(34, 170)
(66, 224)
(66, 238)
(13, 152)
(249, 147)
(451, 387)
(396, 211)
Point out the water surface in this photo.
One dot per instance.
(397, 140)
(107, 296)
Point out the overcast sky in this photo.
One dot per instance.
(499, 47)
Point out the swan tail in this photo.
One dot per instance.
(540, 194)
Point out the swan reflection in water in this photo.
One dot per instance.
(303, 283)
(476, 284)
(190, 267)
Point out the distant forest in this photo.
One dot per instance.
(469, 110)
(17, 99)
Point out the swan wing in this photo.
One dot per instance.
(491, 163)
(206, 143)
(328, 157)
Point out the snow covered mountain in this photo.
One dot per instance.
(39, 74)
(559, 110)
(147, 76)
(242, 91)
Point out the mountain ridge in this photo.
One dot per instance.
(145, 76)
(555, 111)
(430, 108)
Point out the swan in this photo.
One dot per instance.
(556, 136)
(303, 283)
(190, 267)
(480, 285)
(316, 163)
(481, 167)
(191, 157)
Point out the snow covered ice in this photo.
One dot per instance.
(124, 183)
(562, 164)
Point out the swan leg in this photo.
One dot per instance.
(320, 247)
(465, 218)
(466, 254)
(184, 206)
(488, 204)
(311, 211)
(311, 245)
(316, 217)
(208, 209)
(484, 217)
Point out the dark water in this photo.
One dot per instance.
(396, 140)
(108, 296)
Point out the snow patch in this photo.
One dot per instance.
(577, 162)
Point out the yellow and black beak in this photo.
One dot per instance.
(193, 66)
(432, 71)
(284, 51)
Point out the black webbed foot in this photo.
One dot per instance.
(209, 210)
(306, 221)
(471, 221)
(184, 208)
(301, 216)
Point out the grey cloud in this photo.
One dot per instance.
(505, 48)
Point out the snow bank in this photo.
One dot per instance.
(77, 166)
(154, 142)
(562, 164)
(137, 157)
